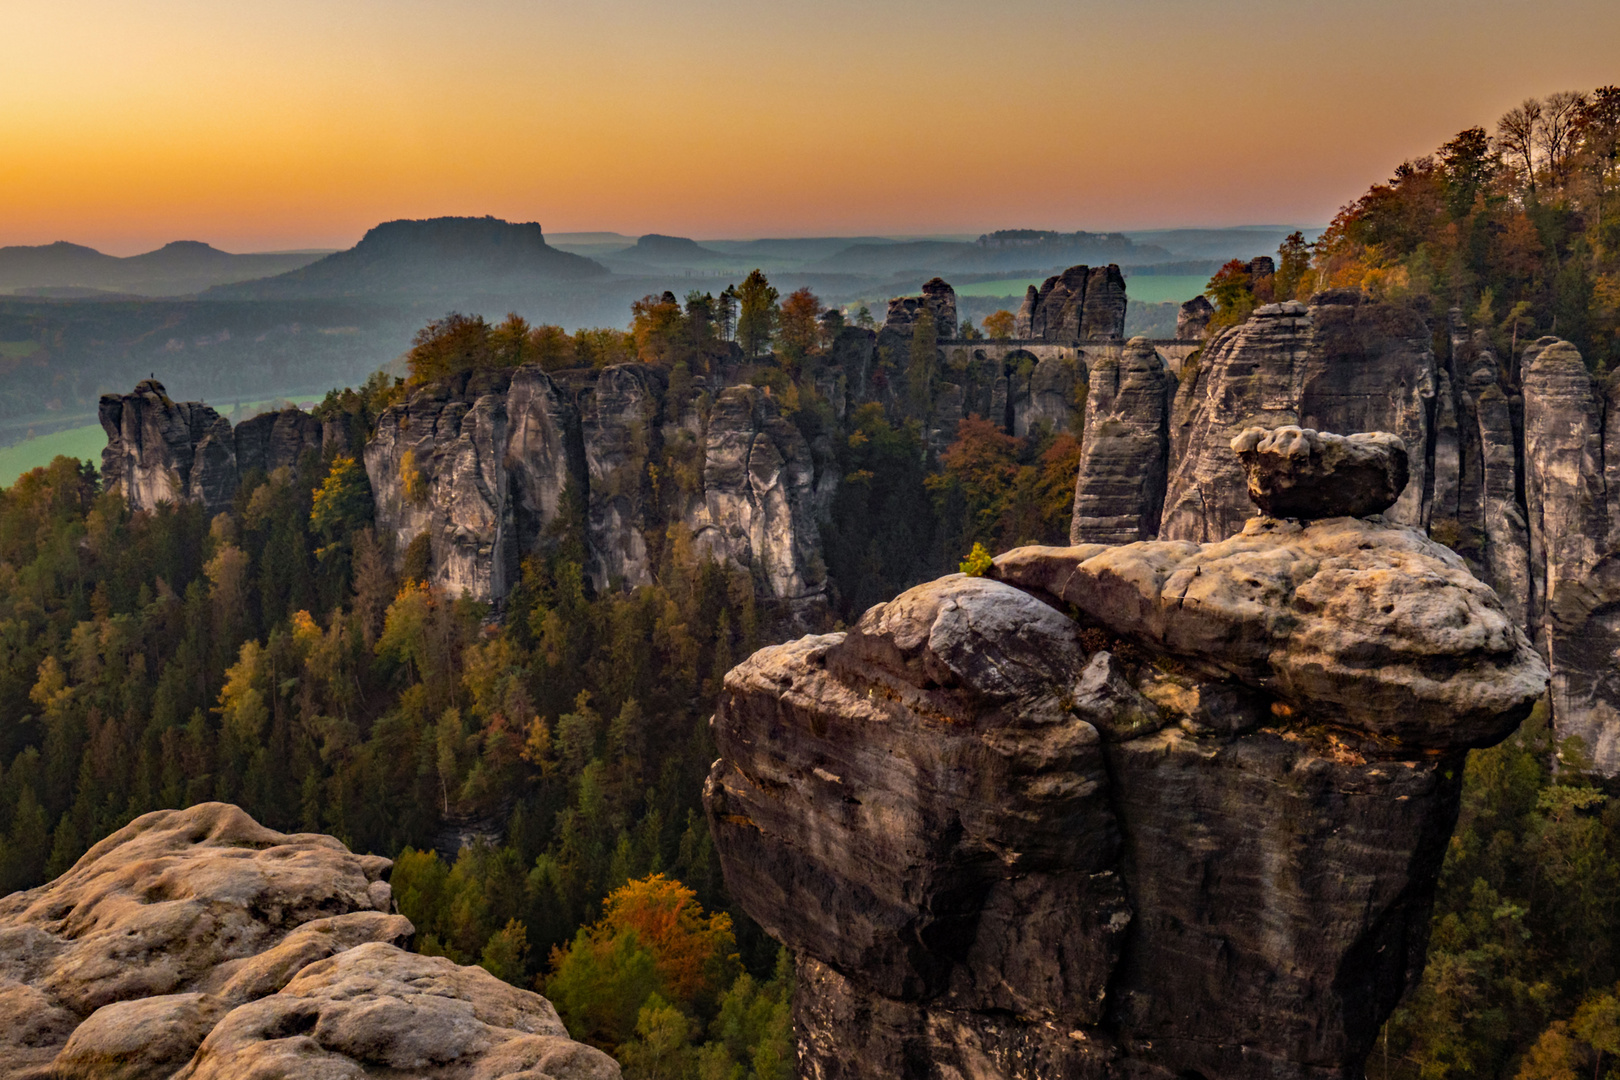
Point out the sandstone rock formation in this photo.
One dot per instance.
(1345, 363)
(938, 299)
(1082, 304)
(1194, 831)
(161, 450)
(756, 507)
(1300, 473)
(1514, 465)
(200, 945)
(490, 455)
(478, 464)
(1119, 491)
(1192, 319)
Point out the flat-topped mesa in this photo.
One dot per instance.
(1193, 830)
(1296, 472)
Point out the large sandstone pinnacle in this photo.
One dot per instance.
(1149, 811)
(199, 945)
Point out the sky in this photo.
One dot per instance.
(284, 124)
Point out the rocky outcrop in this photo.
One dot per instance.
(152, 445)
(1512, 465)
(477, 465)
(1192, 319)
(618, 419)
(757, 497)
(160, 450)
(941, 300)
(1119, 492)
(938, 299)
(1573, 601)
(1104, 313)
(480, 463)
(438, 468)
(1193, 830)
(1082, 304)
(200, 945)
(1249, 376)
(1045, 396)
(1345, 363)
(1299, 473)
(1024, 320)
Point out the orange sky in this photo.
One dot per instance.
(265, 124)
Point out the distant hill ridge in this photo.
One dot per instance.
(459, 254)
(175, 269)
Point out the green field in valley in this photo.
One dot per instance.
(80, 442)
(1150, 289)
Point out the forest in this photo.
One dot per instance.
(278, 656)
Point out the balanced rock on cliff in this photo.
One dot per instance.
(1299, 473)
(1159, 810)
(200, 945)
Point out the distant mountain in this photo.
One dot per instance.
(1240, 242)
(655, 248)
(178, 269)
(878, 258)
(1009, 249)
(454, 256)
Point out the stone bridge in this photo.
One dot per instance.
(959, 351)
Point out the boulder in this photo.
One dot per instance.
(198, 943)
(1299, 473)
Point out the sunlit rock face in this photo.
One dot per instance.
(1161, 809)
(756, 507)
(200, 945)
(482, 464)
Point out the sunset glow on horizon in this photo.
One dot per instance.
(297, 124)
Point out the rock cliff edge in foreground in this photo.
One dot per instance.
(1161, 810)
(199, 945)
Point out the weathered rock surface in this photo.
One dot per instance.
(161, 450)
(1573, 585)
(1196, 832)
(438, 467)
(758, 495)
(1124, 450)
(1345, 363)
(198, 943)
(1192, 319)
(478, 464)
(1048, 397)
(1082, 304)
(152, 445)
(1300, 473)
